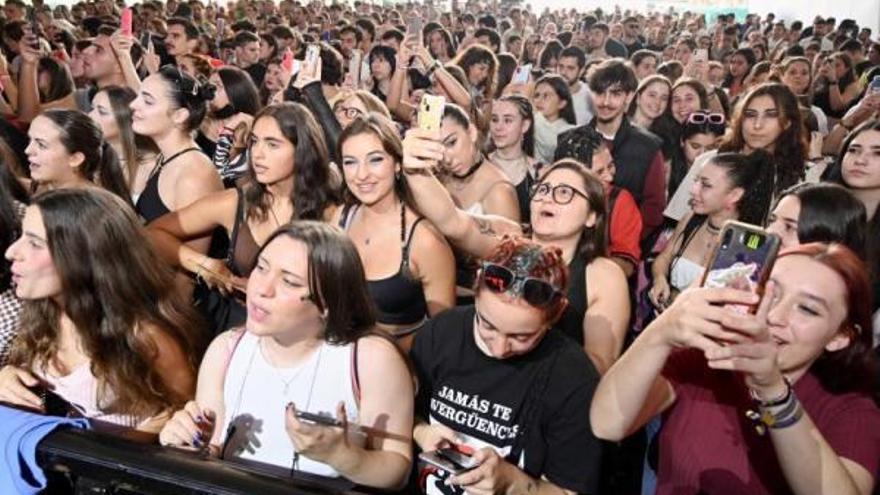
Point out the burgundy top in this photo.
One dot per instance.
(707, 445)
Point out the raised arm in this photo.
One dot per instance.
(121, 46)
(398, 93)
(422, 151)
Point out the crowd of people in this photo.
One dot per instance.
(235, 230)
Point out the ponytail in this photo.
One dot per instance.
(755, 174)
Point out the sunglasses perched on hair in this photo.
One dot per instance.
(706, 118)
(500, 279)
(562, 194)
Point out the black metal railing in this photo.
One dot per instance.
(85, 462)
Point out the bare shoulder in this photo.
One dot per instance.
(603, 266)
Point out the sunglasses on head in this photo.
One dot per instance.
(706, 118)
(500, 279)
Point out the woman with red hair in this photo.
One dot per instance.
(772, 402)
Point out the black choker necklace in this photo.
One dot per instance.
(711, 228)
(471, 171)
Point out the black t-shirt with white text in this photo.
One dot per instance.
(488, 401)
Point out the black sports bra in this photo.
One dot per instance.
(399, 299)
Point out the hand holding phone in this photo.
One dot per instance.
(450, 460)
(287, 61)
(743, 259)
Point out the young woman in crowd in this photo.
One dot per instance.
(568, 212)
(838, 86)
(13, 200)
(223, 133)
(797, 74)
(699, 134)
(512, 136)
(288, 178)
(768, 118)
(441, 45)
(349, 105)
(773, 402)
(555, 114)
(738, 68)
(67, 149)
(651, 100)
(306, 347)
(479, 65)
(112, 112)
(536, 384)
(102, 325)
(477, 185)
(380, 217)
(382, 60)
(169, 107)
(729, 186)
(687, 96)
(858, 170)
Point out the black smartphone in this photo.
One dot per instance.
(449, 460)
(318, 419)
(743, 259)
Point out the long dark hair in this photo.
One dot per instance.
(240, 90)
(80, 134)
(853, 368)
(382, 128)
(476, 54)
(60, 80)
(10, 192)
(134, 146)
(337, 283)
(560, 87)
(594, 240)
(835, 174)
(790, 150)
(112, 285)
(747, 54)
(830, 213)
(313, 190)
(754, 175)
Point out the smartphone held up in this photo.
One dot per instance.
(743, 259)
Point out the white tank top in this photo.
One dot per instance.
(255, 395)
(684, 272)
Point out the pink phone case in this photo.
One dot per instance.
(125, 22)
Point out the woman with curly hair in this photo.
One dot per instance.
(768, 118)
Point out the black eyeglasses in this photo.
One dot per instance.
(561, 193)
(705, 117)
(500, 279)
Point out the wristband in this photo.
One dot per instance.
(773, 402)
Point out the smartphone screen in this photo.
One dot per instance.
(875, 84)
(354, 67)
(521, 76)
(742, 259)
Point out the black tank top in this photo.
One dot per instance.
(572, 321)
(399, 299)
(150, 205)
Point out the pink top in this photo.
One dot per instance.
(80, 389)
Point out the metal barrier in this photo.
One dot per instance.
(104, 464)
